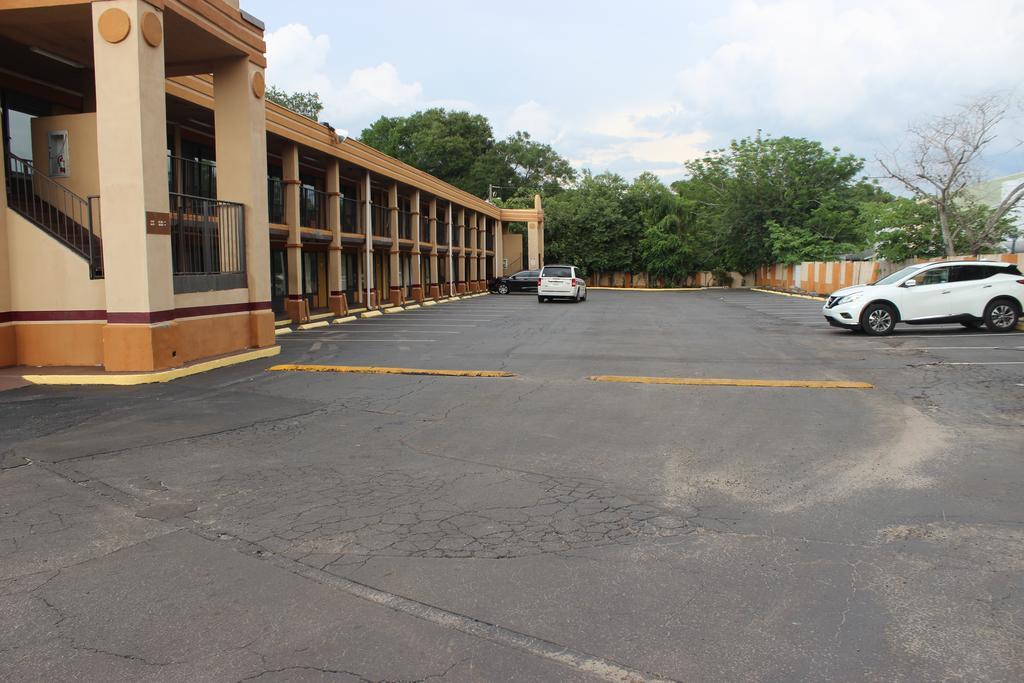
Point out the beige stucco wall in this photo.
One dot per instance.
(84, 177)
(227, 296)
(512, 249)
(45, 275)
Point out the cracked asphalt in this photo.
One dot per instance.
(253, 525)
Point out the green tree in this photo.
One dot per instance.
(525, 167)
(460, 148)
(903, 229)
(586, 226)
(307, 103)
(445, 144)
(765, 199)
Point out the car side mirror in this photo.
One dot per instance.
(910, 283)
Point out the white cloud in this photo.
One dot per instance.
(820, 63)
(538, 120)
(849, 74)
(297, 60)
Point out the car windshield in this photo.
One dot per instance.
(898, 275)
(557, 271)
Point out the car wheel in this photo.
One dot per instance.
(1001, 315)
(540, 299)
(878, 319)
(972, 324)
(502, 288)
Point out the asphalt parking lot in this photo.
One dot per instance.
(283, 525)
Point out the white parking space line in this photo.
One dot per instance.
(345, 339)
(394, 330)
(383, 321)
(955, 348)
(962, 335)
(468, 320)
(1002, 362)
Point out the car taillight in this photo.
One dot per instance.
(573, 282)
(540, 281)
(1020, 282)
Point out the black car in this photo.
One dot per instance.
(523, 281)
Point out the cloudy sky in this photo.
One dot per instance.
(648, 84)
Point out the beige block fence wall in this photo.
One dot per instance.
(825, 277)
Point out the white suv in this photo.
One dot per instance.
(561, 282)
(972, 293)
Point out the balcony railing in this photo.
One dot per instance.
(275, 200)
(380, 220)
(350, 216)
(404, 225)
(312, 208)
(207, 244)
(195, 177)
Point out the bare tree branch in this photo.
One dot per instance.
(943, 162)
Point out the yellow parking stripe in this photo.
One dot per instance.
(707, 381)
(789, 294)
(374, 370)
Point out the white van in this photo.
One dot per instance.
(561, 282)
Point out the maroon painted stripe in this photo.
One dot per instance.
(221, 309)
(143, 317)
(139, 317)
(51, 316)
(334, 293)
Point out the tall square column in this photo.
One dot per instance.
(540, 229)
(394, 274)
(417, 271)
(8, 344)
(295, 304)
(471, 225)
(460, 281)
(131, 135)
(435, 286)
(368, 286)
(241, 140)
(336, 295)
(481, 253)
(499, 250)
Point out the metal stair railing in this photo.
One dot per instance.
(56, 210)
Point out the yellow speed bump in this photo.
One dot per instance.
(375, 370)
(711, 382)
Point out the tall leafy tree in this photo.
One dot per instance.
(307, 103)
(460, 148)
(445, 144)
(768, 199)
(585, 226)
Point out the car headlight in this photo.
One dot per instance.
(850, 298)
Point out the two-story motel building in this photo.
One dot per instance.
(158, 210)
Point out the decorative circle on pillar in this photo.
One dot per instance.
(114, 25)
(259, 85)
(152, 30)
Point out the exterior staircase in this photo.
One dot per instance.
(56, 210)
